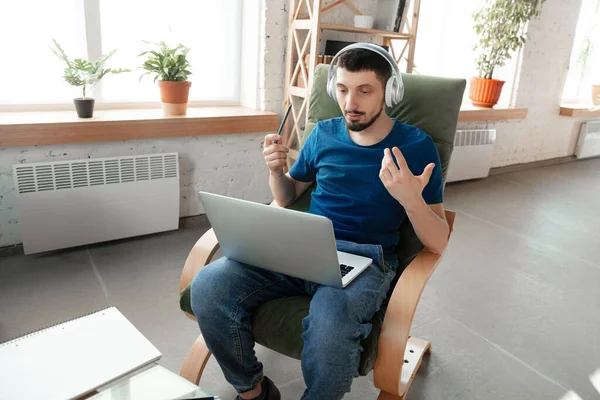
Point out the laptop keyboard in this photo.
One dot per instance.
(345, 269)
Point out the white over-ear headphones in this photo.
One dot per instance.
(394, 88)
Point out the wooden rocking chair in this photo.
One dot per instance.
(432, 104)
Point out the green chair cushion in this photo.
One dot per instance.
(185, 300)
(277, 324)
(430, 103)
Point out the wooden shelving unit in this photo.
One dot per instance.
(305, 28)
(374, 32)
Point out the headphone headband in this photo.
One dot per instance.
(370, 46)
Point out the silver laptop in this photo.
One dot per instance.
(277, 239)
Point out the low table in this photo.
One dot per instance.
(152, 383)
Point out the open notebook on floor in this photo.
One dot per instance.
(74, 358)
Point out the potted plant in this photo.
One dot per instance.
(500, 26)
(79, 72)
(172, 67)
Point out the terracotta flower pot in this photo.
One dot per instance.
(596, 94)
(485, 92)
(174, 97)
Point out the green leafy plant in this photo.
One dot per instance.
(500, 25)
(168, 64)
(79, 72)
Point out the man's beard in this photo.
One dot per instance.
(356, 126)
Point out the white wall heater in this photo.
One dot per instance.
(588, 144)
(73, 203)
(472, 155)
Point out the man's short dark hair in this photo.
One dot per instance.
(356, 60)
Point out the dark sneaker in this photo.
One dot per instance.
(268, 391)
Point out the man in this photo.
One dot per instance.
(371, 173)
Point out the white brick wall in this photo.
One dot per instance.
(274, 32)
(233, 165)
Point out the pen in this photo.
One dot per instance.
(285, 117)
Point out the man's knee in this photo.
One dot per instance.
(208, 290)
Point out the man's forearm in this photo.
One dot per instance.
(283, 189)
(431, 229)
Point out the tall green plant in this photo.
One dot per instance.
(500, 26)
(79, 72)
(166, 63)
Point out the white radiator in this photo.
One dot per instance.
(472, 155)
(588, 144)
(72, 203)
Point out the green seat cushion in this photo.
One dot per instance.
(277, 324)
(185, 300)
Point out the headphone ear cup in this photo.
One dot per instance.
(399, 92)
(331, 84)
(390, 89)
(394, 91)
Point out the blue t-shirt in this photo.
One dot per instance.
(348, 189)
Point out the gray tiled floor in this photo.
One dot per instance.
(513, 312)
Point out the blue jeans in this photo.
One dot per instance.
(225, 291)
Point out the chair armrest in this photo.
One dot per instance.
(201, 254)
(398, 319)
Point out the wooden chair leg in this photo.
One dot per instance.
(386, 396)
(413, 355)
(195, 361)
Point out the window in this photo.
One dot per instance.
(445, 40)
(31, 74)
(584, 67)
(29, 71)
(211, 29)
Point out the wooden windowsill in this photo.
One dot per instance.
(579, 110)
(470, 113)
(62, 127)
